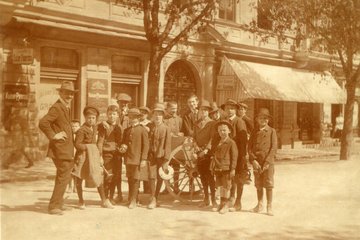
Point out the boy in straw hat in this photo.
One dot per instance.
(160, 149)
(262, 150)
(224, 163)
(56, 125)
(135, 146)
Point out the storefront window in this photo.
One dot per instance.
(126, 65)
(59, 58)
(227, 10)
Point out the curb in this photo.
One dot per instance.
(305, 157)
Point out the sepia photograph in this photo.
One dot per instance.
(179, 119)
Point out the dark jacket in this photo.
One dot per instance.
(109, 139)
(203, 134)
(56, 120)
(240, 137)
(225, 155)
(160, 141)
(189, 121)
(137, 140)
(263, 145)
(85, 135)
(174, 123)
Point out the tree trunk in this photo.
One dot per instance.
(347, 135)
(154, 76)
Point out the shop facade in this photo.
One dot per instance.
(101, 47)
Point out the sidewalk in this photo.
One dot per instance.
(45, 169)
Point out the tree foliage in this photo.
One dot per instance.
(167, 23)
(333, 27)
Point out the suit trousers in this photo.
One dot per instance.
(62, 179)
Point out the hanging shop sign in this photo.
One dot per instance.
(98, 94)
(16, 94)
(23, 56)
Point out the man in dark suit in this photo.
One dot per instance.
(190, 118)
(56, 125)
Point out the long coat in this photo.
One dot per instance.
(189, 121)
(203, 133)
(56, 120)
(137, 140)
(263, 145)
(240, 137)
(160, 141)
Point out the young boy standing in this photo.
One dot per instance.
(87, 158)
(262, 150)
(109, 140)
(224, 163)
(160, 149)
(135, 146)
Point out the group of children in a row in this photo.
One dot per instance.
(222, 137)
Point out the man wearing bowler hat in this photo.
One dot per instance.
(56, 125)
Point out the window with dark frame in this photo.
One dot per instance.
(59, 58)
(263, 20)
(126, 65)
(227, 10)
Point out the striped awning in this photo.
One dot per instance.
(263, 81)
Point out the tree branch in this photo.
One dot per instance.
(183, 33)
(155, 20)
(147, 20)
(173, 14)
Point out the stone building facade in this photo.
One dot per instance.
(101, 47)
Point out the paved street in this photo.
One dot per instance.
(312, 200)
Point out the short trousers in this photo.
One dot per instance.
(266, 178)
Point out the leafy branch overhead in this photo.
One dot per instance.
(161, 18)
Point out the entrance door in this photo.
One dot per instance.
(305, 121)
(179, 84)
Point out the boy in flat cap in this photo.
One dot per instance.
(262, 150)
(240, 137)
(135, 146)
(87, 158)
(224, 163)
(160, 149)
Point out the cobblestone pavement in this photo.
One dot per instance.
(316, 200)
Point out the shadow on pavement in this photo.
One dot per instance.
(38, 207)
(200, 230)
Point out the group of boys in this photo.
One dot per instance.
(220, 164)
(222, 137)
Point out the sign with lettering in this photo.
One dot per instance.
(16, 94)
(23, 56)
(225, 82)
(48, 95)
(98, 95)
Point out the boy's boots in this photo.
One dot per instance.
(269, 201)
(269, 210)
(258, 208)
(225, 207)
